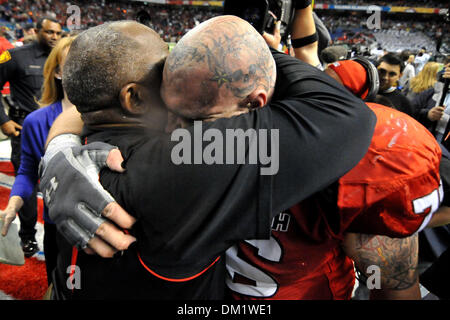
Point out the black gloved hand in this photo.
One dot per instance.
(72, 191)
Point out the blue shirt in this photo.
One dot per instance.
(34, 135)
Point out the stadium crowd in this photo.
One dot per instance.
(171, 22)
(55, 75)
(395, 34)
(18, 13)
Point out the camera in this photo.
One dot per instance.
(143, 17)
(258, 14)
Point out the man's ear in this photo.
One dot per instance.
(257, 99)
(130, 99)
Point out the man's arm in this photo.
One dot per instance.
(397, 260)
(303, 27)
(8, 215)
(440, 218)
(68, 121)
(408, 107)
(27, 175)
(8, 70)
(108, 237)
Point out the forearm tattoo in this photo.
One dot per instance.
(397, 259)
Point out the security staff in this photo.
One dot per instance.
(23, 68)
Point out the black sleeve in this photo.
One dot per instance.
(422, 103)
(323, 33)
(406, 105)
(323, 131)
(7, 73)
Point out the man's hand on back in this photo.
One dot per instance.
(84, 212)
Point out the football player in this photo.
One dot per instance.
(393, 191)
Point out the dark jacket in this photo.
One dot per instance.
(23, 68)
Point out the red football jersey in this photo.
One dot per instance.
(396, 186)
(392, 191)
(300, 261)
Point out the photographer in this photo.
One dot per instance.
(279, 20)
(440, 113)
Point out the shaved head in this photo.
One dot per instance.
(105, 58)
(217, 66)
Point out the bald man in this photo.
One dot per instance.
(229, 79)
(189, 213)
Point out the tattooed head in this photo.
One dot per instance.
(221, 67)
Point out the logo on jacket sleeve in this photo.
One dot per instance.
(5, 57)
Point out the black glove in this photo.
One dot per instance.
(301, 4)
(72, 191)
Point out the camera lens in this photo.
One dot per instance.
(252, 16)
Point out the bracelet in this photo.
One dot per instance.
(301, 4)
(301, 42)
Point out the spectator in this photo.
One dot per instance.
(173, 21)
(390, 68)
(23, 68)
(170, 21)
(421, 59)
(428, 112)
(442, 127)
(425, 80)
(29, 35)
